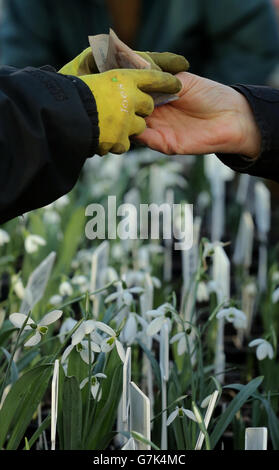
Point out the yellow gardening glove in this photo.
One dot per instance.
(84, 63)
(165, 61)
(122, 103)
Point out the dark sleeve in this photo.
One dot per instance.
(264, 102)
(242, 41)
(48, 127)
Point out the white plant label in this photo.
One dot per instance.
(126, 386)
(37, 283)
(98, 269)
(140, 415)
(256, 439)
(54, 402)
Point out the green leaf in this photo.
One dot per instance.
(153, 362)
(21, 403)
(14, 370)
(106, 409)
(273, 422)
(45, 425)
(72, 414)
(139, 437)
(233, 408)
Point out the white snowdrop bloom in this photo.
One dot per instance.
(264, 348)
(83, 349)
(109, 343)
(209, 248)
(205, 402)
(66, 327)
(275, 296)
(4, 237)
(85, 328)
(130, 329)
(82, 283)
(180, 412)
(275, 276)
(95, 385)
(51, 217)
(124, 296)
(234, 316)
(202, 292)
(117, 251)
(110, 275)
(2, 316)
(203, 199)
(18, 286)
(56, 299)
(182, 343)
(33, 242)
(18, 319)
(65, 289)
(62, 201)
(160, 317)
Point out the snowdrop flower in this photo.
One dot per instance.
(59, 203)
(32, 243)
(66, 327)
(205, 402)
(182, 343)
(202, 292)
(109, 343)
(275, 276)
(234, 316)
(65, 289)
(56, 299)
(130, 329)
(275, 296)
(95, 385)
(4, 237)
(82, 283)
(124, 296)
(51, 217)
(160, 317)
(18, 286)
(264, 348)
(17, 319)
(180, 412)
(209, 248)
(81, 344)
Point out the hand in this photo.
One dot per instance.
(122, 103)
(84, 63)
(207, 118)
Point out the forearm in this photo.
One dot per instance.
(48, 127)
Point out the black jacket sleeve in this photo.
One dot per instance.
(264, 102)
(48, 127)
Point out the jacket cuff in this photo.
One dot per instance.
(89, 103)
(261, 100)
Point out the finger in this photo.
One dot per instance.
(155, 140)
(120, 147)
(146, 56)
(87, 63)
(169, 62)
(138, 125)
(155, 81)
(144, 105)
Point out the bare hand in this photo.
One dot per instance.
(209, 117)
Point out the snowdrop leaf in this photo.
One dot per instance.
(233, 408)
(51, 317)
(21, 404)
(72, 414)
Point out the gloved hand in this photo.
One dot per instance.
(84, 63)
(122, 103)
